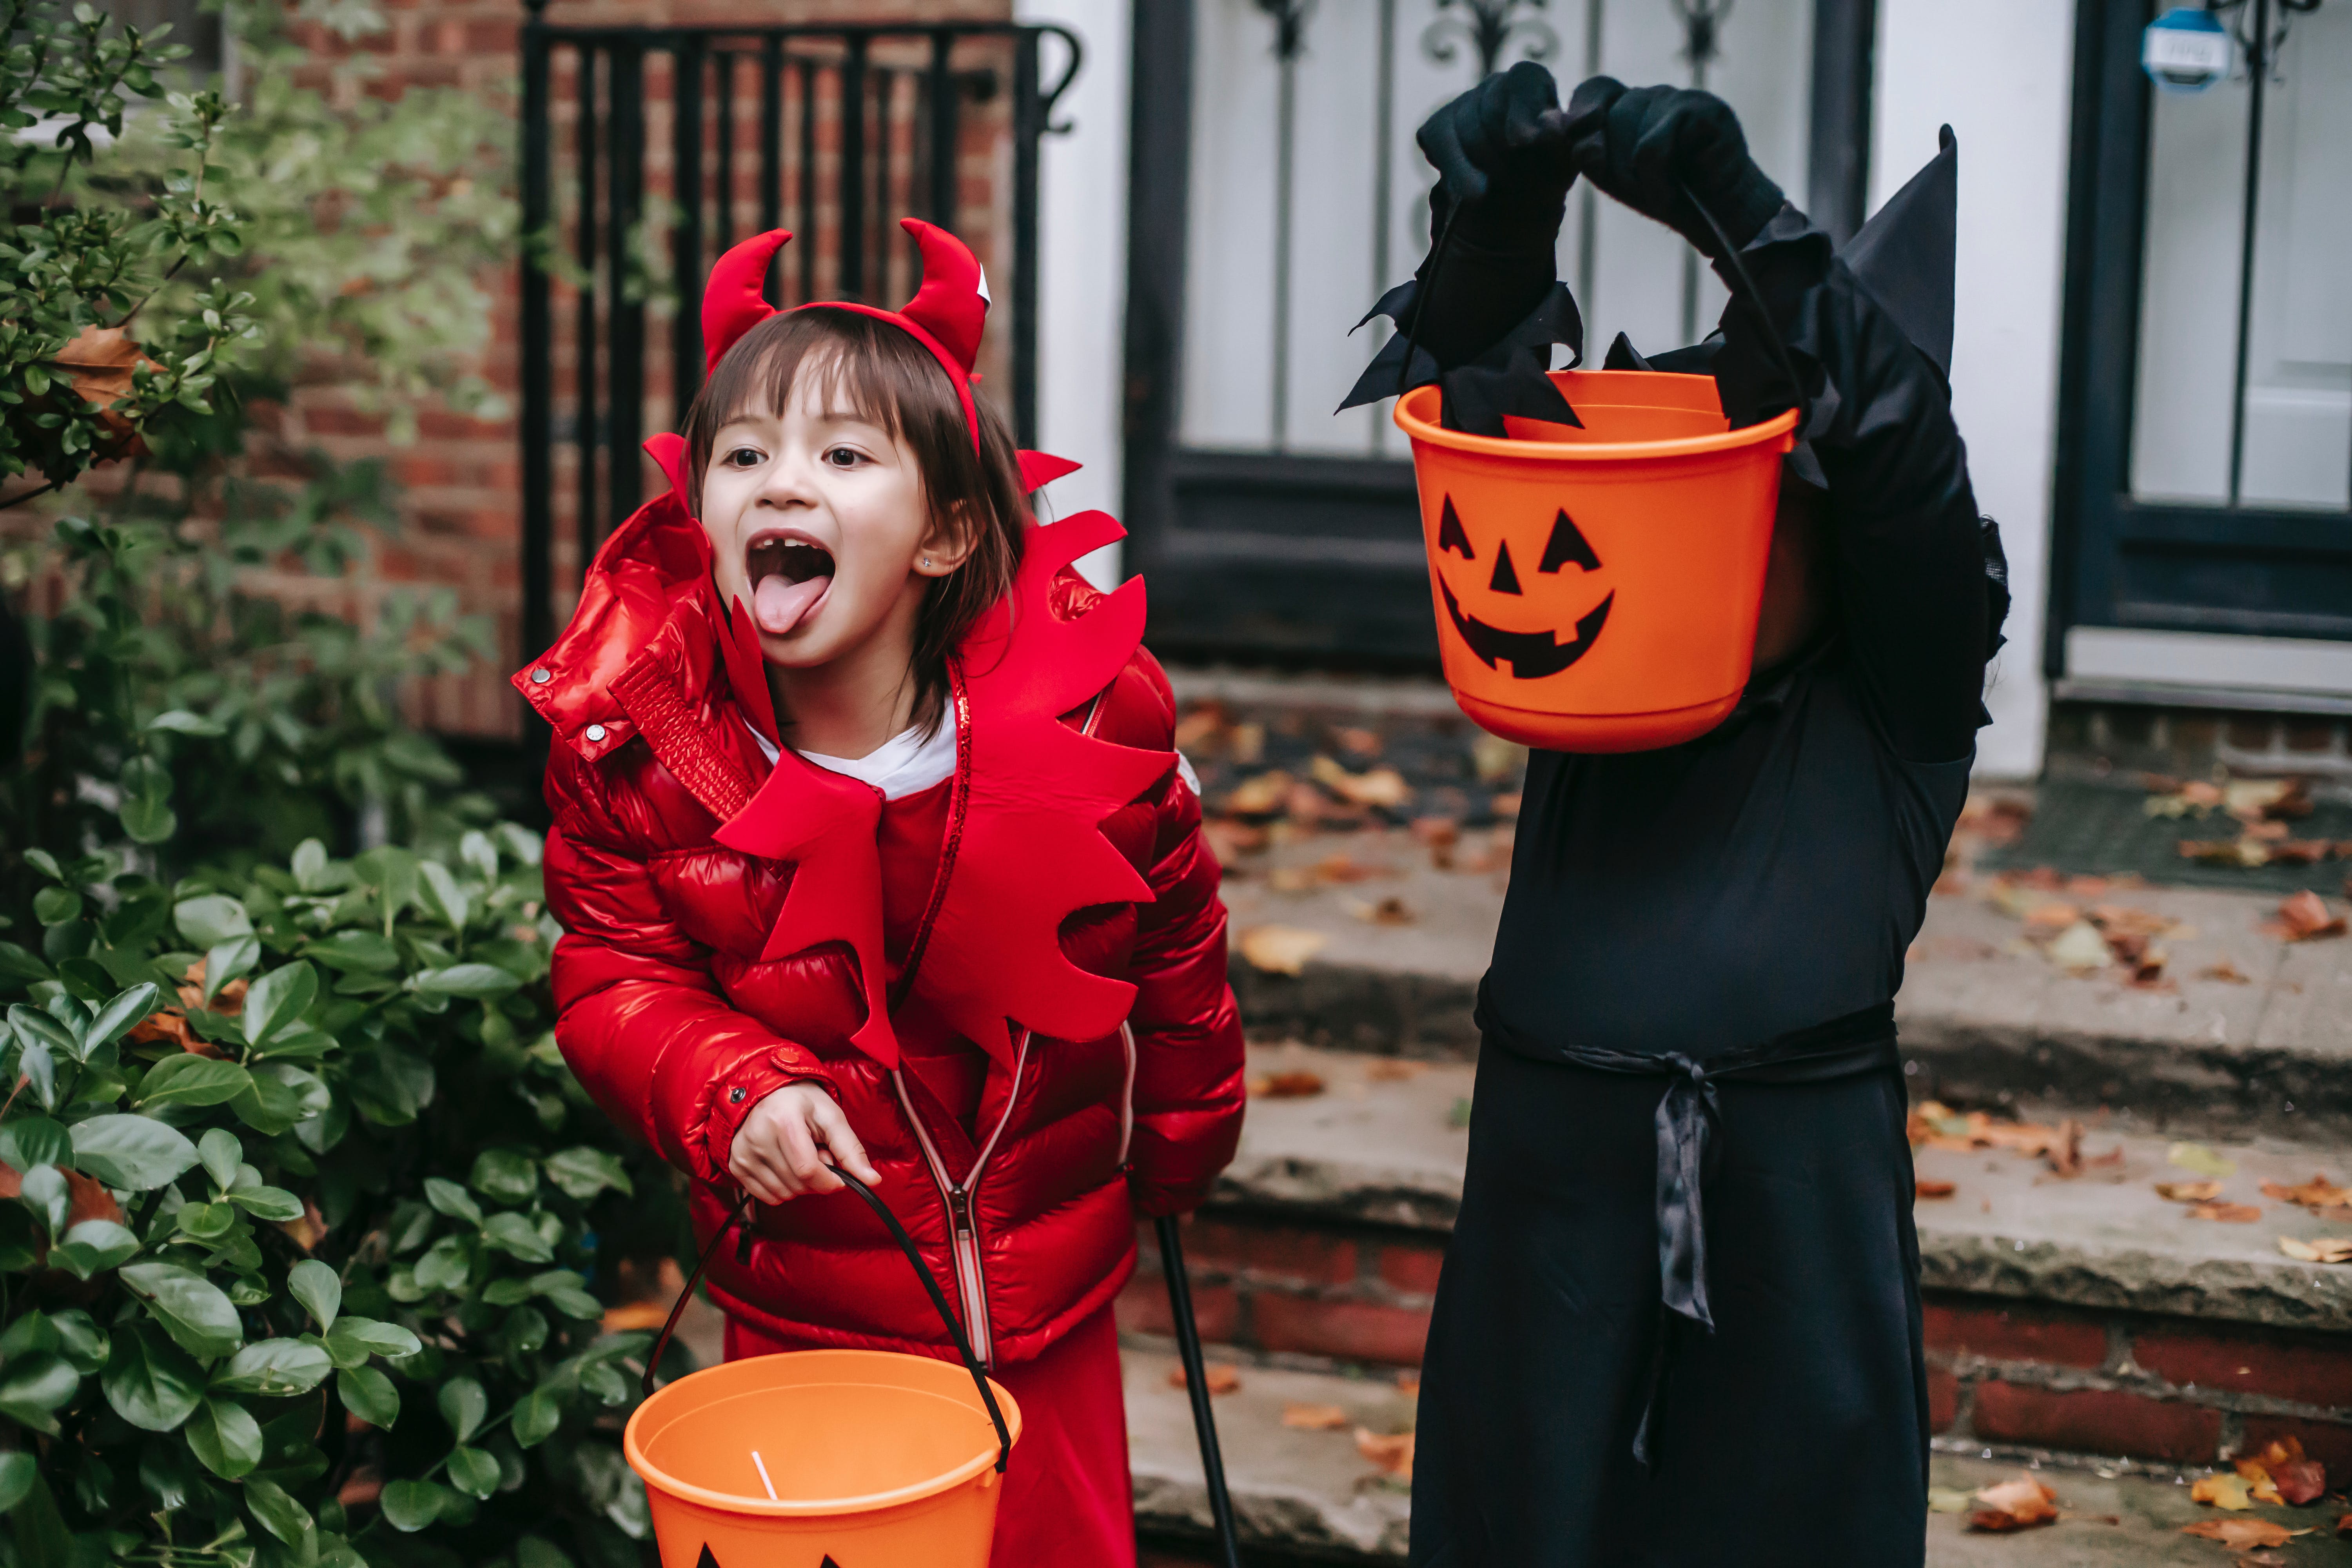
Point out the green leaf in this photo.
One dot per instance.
(410, 1506)
(39, 1070)
(268, 1106)
(276, 999)
(31, 1387)
(210, 920)
(582, 1172)
(319, 1290)
(279, 1515)
(35, 1026)
(473, 1472)
(509, 1176)
(221, 1154)
(511, 1234)
(464, 1405)
(227, 961)
(353, 1339)
(393, 873)
(117, 1017)
(274, 1205)
(44, 862)
(151, 1383)
(442, 898)
(18, 1473)
(146, 810)
(80, 1340)
(93, 1247)
(188, 1078)
(55, 906)
(206, 1222)
(309, 867)
(33, 1141)
(191, 1309)
(363, 950)
(273, 1368)
(179, 721)
(536, 1552)
(44, 1188)
(575, 1303)
(137, 1153)
(452, 1200)
(225, 1437)
(16, 963)
(369, 1395)
(465, 980)
(445, 1266)
(537, 1417)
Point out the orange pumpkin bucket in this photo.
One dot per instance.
(1597, 589)
(878, 1460)
(854, 1459)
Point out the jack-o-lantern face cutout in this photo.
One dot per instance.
(1531, 654)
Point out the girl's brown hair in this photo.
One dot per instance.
(881, 375)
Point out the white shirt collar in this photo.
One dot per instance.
(907, 764)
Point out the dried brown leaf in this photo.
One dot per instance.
(1261, 794)
(1393, 1455)
(1314, 1417)
(2225, 1492)
(1221, 1379)
(2227, 973)
(2326, 1250)
(2020, 1504)
(2305, 917)
(2318, 1192)
(1285, 1085)
(2189, 1192)
(2228, 1214)
(2240, 1534)
(1279, 948)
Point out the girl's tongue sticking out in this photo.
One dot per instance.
(788, 578)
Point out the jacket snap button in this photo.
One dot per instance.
(541, 676)
(734, 1097)
(595, 731)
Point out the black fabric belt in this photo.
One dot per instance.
(1858, 1043)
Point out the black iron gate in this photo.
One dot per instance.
(649, 151)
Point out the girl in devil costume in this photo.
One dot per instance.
(871, 850)
(1683, 1288)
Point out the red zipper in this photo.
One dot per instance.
(964, 1221)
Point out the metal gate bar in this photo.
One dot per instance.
(892, 96)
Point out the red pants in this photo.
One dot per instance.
(1068, 1500)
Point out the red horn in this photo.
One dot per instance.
(952, 303)
(735, 300)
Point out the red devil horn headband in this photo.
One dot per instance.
(945, 316)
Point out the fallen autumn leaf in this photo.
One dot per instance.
(2318, 1192)
(1281, 950)
(1285, 1085)
(2189, 1192)
(2198, 1158)
(2020, 1504)
(2326, 1249)
(1392, 1455)
(1220, 1379)
(2242, 1534)
(1314, 1417)
(2228, 1492)
(2228, 1214)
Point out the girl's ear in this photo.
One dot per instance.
(948, 542)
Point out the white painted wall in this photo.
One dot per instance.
(1082, 262)
(2000, 73)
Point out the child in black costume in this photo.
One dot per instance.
(1682, 1295)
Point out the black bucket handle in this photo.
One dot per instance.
(905, 1244)
(1755, 301)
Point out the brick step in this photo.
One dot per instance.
(1304, 1496)
(2080, 1313)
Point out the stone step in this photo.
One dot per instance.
(1309, 1495)
(2243, 1034)
(2079, 1312)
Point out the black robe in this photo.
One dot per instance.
(1712, 896)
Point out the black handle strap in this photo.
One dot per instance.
(905, 1244)
(1755, 302)
(1196, 1382)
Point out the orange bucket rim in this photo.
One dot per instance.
(780, 1507)
(1419, 429)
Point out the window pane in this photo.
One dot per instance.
(2298, 408)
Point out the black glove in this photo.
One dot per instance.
(1500, 150)
(1647, 145)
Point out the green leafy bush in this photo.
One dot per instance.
(305, 1201)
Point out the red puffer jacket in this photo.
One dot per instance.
(679, 1026)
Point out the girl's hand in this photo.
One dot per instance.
(780, 1149)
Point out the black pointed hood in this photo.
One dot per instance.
(1903, 255)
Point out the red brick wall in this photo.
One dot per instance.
(460, 503)
(2014, 1374)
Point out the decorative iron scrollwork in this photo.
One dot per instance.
(1490, 28)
